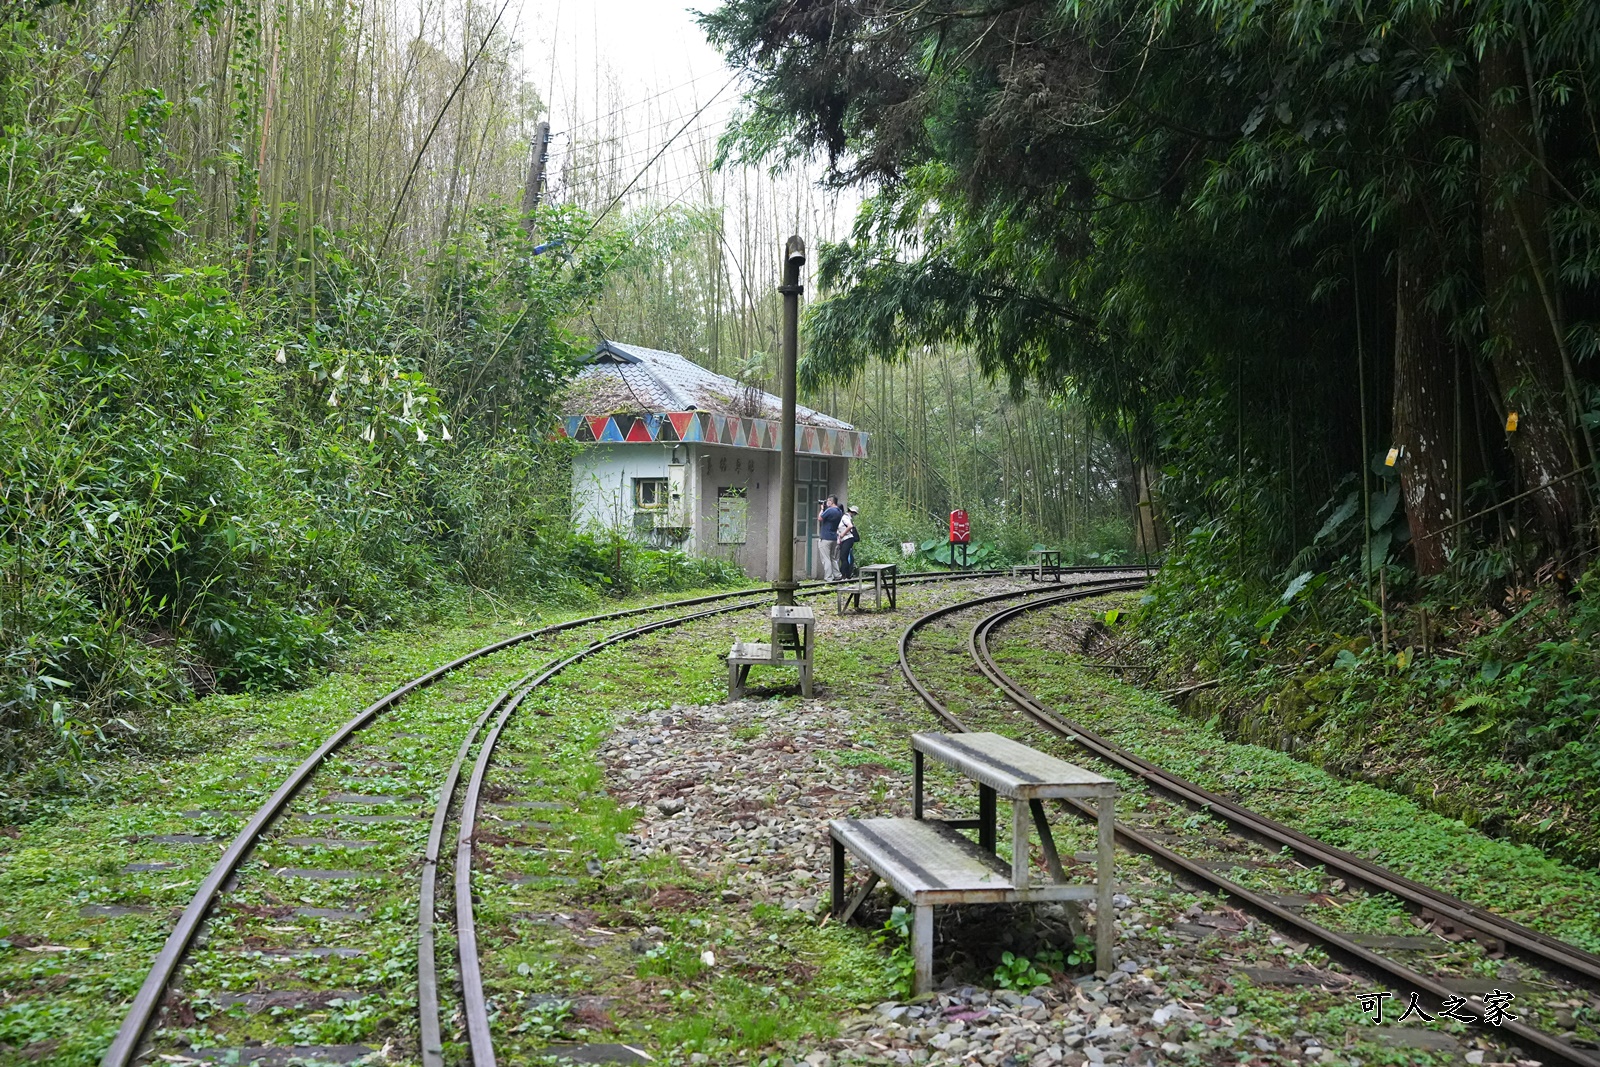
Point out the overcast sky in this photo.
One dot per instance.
(656, 43)
(590, 58)
(633, 73)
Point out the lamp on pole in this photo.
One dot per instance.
(794, 257)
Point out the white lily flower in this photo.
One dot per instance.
(339, 374)
(280, 357)
(444, 433)
(369, 433)
(333, 399)
(422, 437)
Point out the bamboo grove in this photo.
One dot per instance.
(281, 324)
(278, 347)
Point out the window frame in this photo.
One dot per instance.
(661, 492)
(726, 495)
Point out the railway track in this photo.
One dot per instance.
(456, 805)
(1570, 969)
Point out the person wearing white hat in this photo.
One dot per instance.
(848, 536)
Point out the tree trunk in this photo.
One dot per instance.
(1151, 533)
(1524, 347)
(1424, 415)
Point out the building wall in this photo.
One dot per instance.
(717, 467)
(602, 496)
(602, 482)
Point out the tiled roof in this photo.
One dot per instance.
(631, 378)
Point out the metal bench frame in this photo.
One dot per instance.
(1049, 563)
(885, 583)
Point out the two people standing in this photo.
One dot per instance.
(836, 529)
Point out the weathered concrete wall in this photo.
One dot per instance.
(756, 471)
(602, 498)
(602, 482)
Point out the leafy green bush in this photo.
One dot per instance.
(1488, 712)
(896, 937)
(217, 461)
(1019, 973)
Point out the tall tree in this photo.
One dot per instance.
(1147, 199)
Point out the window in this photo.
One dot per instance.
(649, 493)
(733, 512)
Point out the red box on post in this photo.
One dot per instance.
(960, 528)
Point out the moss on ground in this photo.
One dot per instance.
(554, 905)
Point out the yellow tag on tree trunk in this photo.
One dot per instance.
(1511, 422)
(1389, 460)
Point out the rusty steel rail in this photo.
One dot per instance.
(966, 605)
(431, 1035)
(1547, 951)
(124, 1047)
(475, 1005)
(1352, 954)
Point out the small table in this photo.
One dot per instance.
(1048, 561)
(791, 646)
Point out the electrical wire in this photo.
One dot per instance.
(614, 200)
(626, 133)
(640, 103)
(601, 170)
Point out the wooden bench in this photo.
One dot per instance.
(790, 646)
(848, 592)
(881, 579)
(929, 863)
(1047, 561)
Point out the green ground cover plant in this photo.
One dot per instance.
(67, 973)
(775, 975)
(1516, 880)
(1476, 692)
(62, 998)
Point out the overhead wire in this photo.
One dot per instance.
(614, 200)
(625, 133)
(625, 161)
(602, 171)
(641, 102)
(709, 123)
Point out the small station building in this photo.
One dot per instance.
(686, 458)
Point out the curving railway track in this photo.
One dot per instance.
(456, 804)
(1567, 967)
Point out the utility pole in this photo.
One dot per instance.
(794, 257)
(541, 155)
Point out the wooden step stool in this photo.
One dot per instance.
(928, 863)
(791, 644)
(882, 580)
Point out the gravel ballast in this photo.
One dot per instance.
(741, 793)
